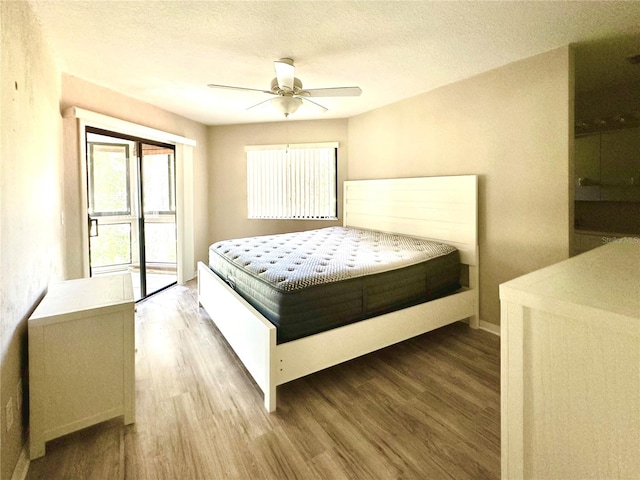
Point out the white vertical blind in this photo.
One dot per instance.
(292, 181)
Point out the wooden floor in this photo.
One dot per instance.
(427, 408)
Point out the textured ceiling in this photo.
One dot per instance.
(165, 53)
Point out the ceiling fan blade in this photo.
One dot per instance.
(332, 92)
(261, 103)
(284, 73)
(319, 107)
(213, 85)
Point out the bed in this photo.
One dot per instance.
(439, 209)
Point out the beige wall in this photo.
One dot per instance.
(228, 173)
(31, 237)
(79, 93)
(511, 126)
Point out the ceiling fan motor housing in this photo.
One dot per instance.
(297, 87)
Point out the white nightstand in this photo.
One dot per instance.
(81, 357)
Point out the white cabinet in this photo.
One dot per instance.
(570, 368)
(81, 357)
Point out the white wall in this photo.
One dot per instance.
(31, 237)
(513, 127)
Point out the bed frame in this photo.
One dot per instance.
(437, 208)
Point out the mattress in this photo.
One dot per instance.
(308, 282)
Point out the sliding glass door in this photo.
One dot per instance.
(132, 209)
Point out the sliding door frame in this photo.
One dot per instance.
(137, 208)
(76, 122)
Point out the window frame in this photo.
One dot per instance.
(91, 181)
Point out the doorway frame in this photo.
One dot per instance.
(76, 120)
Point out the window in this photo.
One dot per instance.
(108, 163)
(159, 179)
(292, 181)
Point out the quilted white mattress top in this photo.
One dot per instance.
(293, 261)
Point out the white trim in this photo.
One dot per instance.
(84, 205)
(185, 216)
(22, 467)
(122, 126)
(489, 327)
(284, 146)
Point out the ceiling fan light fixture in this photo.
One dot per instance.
(286, 104)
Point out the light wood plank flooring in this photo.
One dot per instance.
(427, 408)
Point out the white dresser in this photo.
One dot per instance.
(570, 368)
(81, 357)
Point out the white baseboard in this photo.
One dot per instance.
(490, 327)
(22, 467)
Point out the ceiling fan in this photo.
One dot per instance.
(287, 91)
